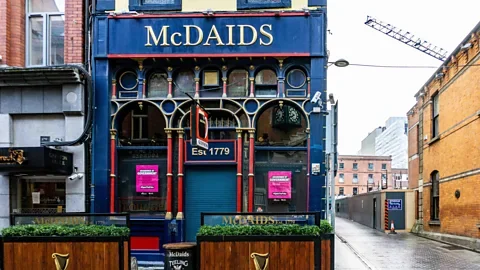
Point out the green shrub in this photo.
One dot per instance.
(65, 230)
(280, 229)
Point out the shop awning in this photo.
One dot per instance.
(35, 161)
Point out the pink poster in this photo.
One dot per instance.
(147, 178)
(279, 185)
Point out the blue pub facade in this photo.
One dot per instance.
(256, 72)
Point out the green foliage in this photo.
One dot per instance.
(280, 229)
(65, 230)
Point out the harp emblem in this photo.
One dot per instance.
(61, 260)
(260, 260)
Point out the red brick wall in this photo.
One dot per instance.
(74, 34)
(12, 32)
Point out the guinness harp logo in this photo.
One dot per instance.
(260, 260)
(61, 260)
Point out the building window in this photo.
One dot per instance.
(370, 166)
(384, 166)
(341, 178)
(340, 166)
(158, 85)
(355, 178)
(45, 32)
(355, 190)
(435, 114)
(355, 166)
(184, 82)
(370, 189)
(296, 83)
(252, 4)
(341, 191)
(370, 178)
(237, 83)
(155, 4)
(139, 124)
(435, 196)
(266, 83)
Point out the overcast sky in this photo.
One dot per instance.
(368, 96)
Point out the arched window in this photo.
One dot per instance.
(296, 83)
(237, 83)
(435, 196)
(158, 85)
(266, 83)
(184, 81)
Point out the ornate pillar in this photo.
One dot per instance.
(239, 170)
(308, 167)
(280, 87)
(252, 86)
(170, 82)
(308, 87)
(224, 79)
(113, 136)
(114, 89)
(168, 215)
(251, 154)
(180, 174)
(144, 87)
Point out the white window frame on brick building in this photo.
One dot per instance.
(47, 17)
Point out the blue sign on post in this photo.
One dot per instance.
(395, 204)
(218, 152)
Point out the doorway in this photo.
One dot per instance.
(374, 213)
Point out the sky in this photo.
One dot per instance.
(367, 97)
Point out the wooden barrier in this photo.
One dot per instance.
(284, 252)
(84, 253)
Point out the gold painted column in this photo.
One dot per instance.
(251, 161)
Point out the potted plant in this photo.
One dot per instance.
(63, 246)
(270, 246)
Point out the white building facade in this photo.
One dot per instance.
(393, 141)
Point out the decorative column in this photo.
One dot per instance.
(239, 170)
(180, 174)
(224, 79)
(280, 87)
(168, 215)
(144, 87)
(170, 82)
(308, 87)
(251, 154)
(252, 86)
(113, 136)
(197, 82)
(114, 89)
(308, 167)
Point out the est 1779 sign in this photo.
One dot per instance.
(217, 152)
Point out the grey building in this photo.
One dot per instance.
(39, 106)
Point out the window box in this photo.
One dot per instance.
(252, 4)
(155, 4)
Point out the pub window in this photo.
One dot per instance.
(210, 81)
(127, 84)
(266, 83)
(252, 4)
(435, 196)
(158, 85)
(184, 82)
(296, 83)
(237, 83)
(45, 32)
(139, 125)
(435, 115)
(155, 4)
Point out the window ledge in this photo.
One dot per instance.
(434, 223)
(435, 139)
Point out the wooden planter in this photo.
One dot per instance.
(284, 252)
(84, 253)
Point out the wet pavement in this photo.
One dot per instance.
(378, 250)
(345, 257)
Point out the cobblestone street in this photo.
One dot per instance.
(400, 251)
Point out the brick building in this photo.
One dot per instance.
(444, 155)
(42, 106)
(361, 174)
